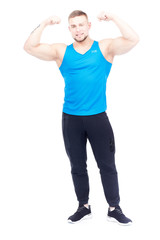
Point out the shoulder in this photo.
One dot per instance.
(59, 46)
(60, 49)
(104, 46)
(105, 43)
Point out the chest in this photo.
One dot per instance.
(90, 60)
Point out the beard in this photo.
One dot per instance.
(82, 40)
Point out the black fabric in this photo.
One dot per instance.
(98, 131)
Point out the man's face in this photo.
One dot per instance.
(79, 28)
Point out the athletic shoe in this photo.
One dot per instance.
(81, 214)
(117, 216)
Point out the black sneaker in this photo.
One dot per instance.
(81, 214)
(117, 216)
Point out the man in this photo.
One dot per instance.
(85, 66)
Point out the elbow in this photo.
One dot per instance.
(26, 47)
(137, 39)
(134, 42)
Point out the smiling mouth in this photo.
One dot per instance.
(79, 35)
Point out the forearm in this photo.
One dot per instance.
(35, 36)
(126, 31)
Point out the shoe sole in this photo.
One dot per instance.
(110, 219)
(89, 216)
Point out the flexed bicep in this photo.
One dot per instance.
(120, 46)
(43, 51)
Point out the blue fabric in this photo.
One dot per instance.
(85, 77)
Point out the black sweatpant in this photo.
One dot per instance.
(97, 129)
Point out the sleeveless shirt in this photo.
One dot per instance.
(85, 77)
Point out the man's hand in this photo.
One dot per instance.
(51, 21)
(105, 16)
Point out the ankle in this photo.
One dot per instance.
(111, 209)
(86, 205)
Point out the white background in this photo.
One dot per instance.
(36, 191)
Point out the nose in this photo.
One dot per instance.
(77, 29)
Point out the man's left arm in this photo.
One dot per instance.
(122, 44)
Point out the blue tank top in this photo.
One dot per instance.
(85, 77)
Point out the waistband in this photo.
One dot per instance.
(66, 114)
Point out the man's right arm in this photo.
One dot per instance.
(48, 52)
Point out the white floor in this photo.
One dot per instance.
(36, 204)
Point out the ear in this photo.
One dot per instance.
(89, 25)
(69, 28)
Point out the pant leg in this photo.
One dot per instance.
(101, 138)
(75, 144)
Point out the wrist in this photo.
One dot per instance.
(112, 17)
(43, 24)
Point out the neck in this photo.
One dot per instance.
(83, 47)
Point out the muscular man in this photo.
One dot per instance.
(85, 66)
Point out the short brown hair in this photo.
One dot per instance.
(77, 13)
